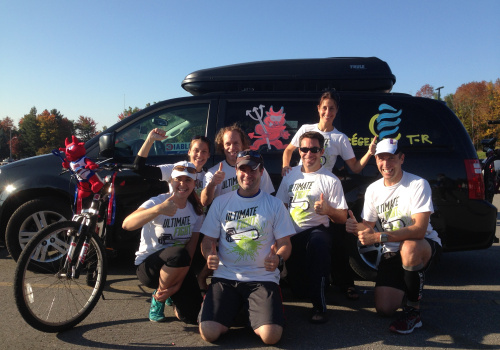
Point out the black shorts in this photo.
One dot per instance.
(390, 270)
(148, 271)
(188, 298)
(225, 298)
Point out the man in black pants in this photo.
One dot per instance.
(314, 197)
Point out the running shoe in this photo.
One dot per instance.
(156, 312)
(409, 321)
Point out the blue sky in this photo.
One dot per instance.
(92, 58)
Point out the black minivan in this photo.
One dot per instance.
(275, 96)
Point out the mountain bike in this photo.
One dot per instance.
(61, 272)
(490, 173)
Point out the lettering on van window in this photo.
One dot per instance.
(386, 124)
(270, 129)
(418, 138)
(179, 147)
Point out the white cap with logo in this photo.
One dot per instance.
(387, 146)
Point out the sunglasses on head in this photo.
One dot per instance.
(312, 149)
(185, 168)
(250, 153)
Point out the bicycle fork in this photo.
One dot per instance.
(77, 252)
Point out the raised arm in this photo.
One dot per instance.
(154, 135)
(287, 156)
(355, 165)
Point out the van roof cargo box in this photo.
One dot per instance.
(313, 74)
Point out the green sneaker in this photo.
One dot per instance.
(156, 313)
(169, 302)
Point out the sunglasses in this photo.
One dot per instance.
(311, 149)
(250, 153)
(185, 168)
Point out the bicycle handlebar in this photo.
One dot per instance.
(116, 166)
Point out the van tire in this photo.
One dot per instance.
(45, 211)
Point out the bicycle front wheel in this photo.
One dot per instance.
(48, 296)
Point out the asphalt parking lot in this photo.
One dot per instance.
(461, 310)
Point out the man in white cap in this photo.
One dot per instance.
(253, 229)
(403, 204)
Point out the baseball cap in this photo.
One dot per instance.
(387, 146)
(249, 157)
(184, 168)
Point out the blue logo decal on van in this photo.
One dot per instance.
(387, 122)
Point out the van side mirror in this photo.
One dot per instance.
(107, 145)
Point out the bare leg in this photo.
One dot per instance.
(171, 279)
(269, 333)
(210, 331)
(388, 300)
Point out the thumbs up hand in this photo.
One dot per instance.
(168, 207)
(218, 176)
(213, 258)
(272, 260)
(321, 207)
(351, 225)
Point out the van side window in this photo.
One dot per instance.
(180, 123)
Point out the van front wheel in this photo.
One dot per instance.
(30, 218)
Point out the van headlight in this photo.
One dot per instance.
(10, 188)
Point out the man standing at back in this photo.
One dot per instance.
(253, 230)
(403, 204)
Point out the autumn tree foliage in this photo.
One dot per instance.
(426, 91)
(85, 128)
(472, 107)
(39, 134)
(128, 112)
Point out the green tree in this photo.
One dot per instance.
(449, 102)
(7, 131)
(29, 134)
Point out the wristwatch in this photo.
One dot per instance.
(384, 237)
(281, 262)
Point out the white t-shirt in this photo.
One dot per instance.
(166, 231)
(166, 175)
(230, 182)
(246, 229)
(394, 205)
(336, 144)
(300, 190)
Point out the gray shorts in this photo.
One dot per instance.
(225, 298)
